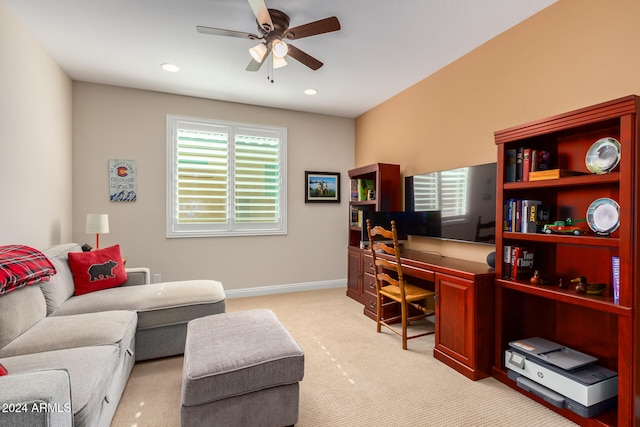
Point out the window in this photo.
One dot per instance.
(225, 179)
(445, 191)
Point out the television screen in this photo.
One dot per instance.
(384, 219)
(462, 199)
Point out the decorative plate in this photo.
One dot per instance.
(603, 156)
(603, 216)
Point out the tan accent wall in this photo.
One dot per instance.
(35, 141)
(573, 54)
(119, 123)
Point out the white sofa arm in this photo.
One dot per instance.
(36, 398)
(137, 276)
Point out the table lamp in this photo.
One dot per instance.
(98, 224)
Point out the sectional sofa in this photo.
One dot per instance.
(68, 357)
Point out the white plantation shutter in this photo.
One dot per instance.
(225, 178)
(445, 191)
(257, 179)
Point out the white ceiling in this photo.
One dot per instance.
(384, 46)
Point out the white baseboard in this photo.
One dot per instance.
(281, 289)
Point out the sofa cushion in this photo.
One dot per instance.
(60, 332)
(97, 270)
(22, 266)
(60, 287)
(91, 371)
(19, 311)
(45, 394)
(157, 304)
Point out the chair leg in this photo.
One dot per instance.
(378, 312)
(404, 309)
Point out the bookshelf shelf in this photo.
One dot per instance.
(582, 180)
(596, 302)
(608, 242)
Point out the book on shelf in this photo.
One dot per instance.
(355, 214)
(542, 175)
(506, 261)
(526, 163)
(540, 160)
(530, 215)
(518, 262)
(364, 186)
(615, 270)
(521, 161)
(354, 190)
(510, 175)
(525, 215)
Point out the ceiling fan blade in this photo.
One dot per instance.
(322, 26)
(262, 14)
(254, 65)
(304, 58)
(228, 33)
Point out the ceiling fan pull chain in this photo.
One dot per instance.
(271, 69)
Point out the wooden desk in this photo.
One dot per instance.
(464, 306)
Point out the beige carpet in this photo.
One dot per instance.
(353, 376)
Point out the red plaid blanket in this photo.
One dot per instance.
(22, 266)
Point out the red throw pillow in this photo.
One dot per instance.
(97, 270)
(3, 371)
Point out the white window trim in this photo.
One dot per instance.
(173, 230)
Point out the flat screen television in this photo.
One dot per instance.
(461, 200)
(384, 219)
(426, 223)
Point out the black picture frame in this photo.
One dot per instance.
(321, 187)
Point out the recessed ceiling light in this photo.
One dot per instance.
(310, 92)
(170, 68)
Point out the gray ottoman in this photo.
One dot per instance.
(240, 369)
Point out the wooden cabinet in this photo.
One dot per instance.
(454, 326)
(355, 273)
(464, 322)
(387, 197)
(599, 325)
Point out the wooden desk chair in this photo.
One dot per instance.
(395, 291)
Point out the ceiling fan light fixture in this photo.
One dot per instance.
(278, 62)
(280, 48)
(258, 52)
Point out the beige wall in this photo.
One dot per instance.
(35, 143)
(117, 123)
(573, 54)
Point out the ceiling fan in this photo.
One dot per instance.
(273, 33)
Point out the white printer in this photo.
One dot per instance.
(562, 376)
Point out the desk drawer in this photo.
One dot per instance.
(369, 283)
(409, 272)
(367, 264)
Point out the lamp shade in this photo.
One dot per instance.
(280, 49)
(279, 62)
(97, 223)
(258, 52)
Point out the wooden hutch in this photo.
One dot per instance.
(600, 326)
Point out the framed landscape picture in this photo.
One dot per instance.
(322, 187)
